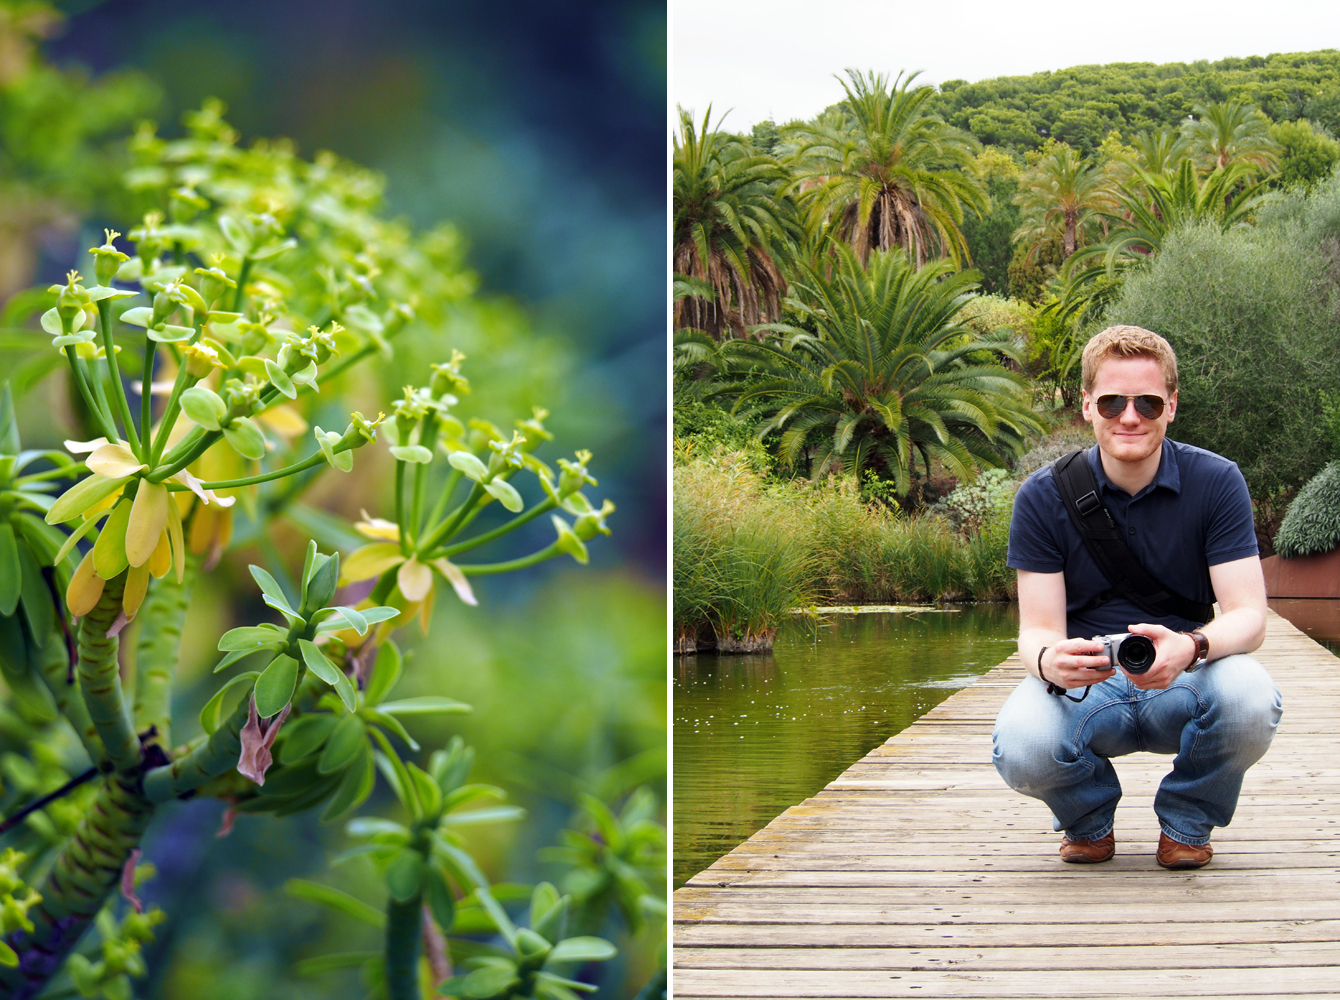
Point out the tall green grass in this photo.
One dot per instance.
(747, 551)
(741, 558)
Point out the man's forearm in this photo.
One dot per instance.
(1241, 630)
(1031, 641)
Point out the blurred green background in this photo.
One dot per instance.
(537, 130)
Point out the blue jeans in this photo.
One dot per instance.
(1218, 720)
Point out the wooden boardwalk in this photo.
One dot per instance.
(918, 873)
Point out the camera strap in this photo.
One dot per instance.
(1129, 579)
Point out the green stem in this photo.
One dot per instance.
(444, 496)
(100, 680)
(307, 463)
(498, 532)
(70, 471)
(85, 874)
(81, 381)
(448, 527)
(488, 569)
(173, 406)
(403, 941)
(69, 699)
(118, 390)
(242, 276)
(400, 518)
(171, 466)
(146, 389)
(216, 756)
(159, 650)
(95, 381)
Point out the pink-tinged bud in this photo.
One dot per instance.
(258, 736)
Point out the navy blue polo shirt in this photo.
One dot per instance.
(1194, 515)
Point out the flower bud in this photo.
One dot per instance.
(588, 525)
(201, 359)
(574, 475)
(107, 260)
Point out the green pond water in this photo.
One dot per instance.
(756, 734)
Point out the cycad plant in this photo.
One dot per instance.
(253, 285)
(892, 174)
(731, 229)
(876, 371)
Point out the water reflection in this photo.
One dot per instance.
(755, 734)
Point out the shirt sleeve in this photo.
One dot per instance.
(1034, 547)
(1231, 533)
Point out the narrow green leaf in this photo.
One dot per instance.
(425, 705)
(337, 899)
(394, 725)
(269, 587)
(251, 638)
(385, 674)
(11, 576)
(583, 949)
(357, 784)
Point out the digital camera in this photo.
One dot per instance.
(1135, 653)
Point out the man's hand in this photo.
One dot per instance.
(1173, 653)
(1073, 663)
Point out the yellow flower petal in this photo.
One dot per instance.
(84, 447)
(415, 579)
(137, 585)
(148, 518)
(178, 542)
(105, 504)
(377, 527)
(85, 588)
(114, 461)
(161, 561)
(369, 561)
(109, 551)
(457, 579)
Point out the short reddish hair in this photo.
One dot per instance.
(1128, 342)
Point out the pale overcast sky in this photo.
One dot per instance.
(776, 59)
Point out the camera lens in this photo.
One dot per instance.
(1136, 654)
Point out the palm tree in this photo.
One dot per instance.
(1058, 197)
(1231, 132)
(1160, 152)
(729, 230)
(880, 372)
(1146, 210)
(892, 175)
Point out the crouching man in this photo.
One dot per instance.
(1137, 535)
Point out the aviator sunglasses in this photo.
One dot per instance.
(1148, 406)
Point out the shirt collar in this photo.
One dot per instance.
(1169, 475)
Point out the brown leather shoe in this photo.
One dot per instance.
(1088, 852)
(1174, 854)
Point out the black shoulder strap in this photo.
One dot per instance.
(1079, 491)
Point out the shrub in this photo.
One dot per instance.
(1312, 524)
(1251, 314)
(1049, 449)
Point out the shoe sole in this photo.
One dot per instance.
(1176, 866)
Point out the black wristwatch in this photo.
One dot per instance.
(1202, 649)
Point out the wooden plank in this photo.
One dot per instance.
(917, 873)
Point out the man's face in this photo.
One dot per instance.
(1129, 437)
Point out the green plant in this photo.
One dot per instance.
(884, 178)
(876, 371)
(247, 249)
(1312, 523)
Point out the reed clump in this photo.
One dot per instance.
(748, 550)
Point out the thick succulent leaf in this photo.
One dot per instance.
(252, 638)
(275, 685)
(336, 899)
(211, 716)
(11, 576)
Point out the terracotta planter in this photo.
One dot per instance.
(1304, 576)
